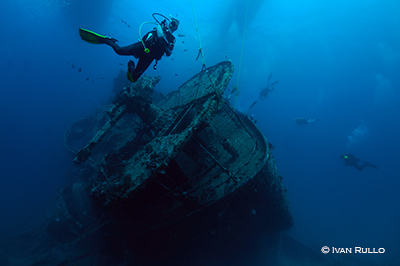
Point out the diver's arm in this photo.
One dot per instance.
(171, 44)
(168, 50)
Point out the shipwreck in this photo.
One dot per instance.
(179, 175)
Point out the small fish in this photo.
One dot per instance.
(176, 74)
(73, 66)
(122, 20)
(102, 77)
(80, 69)
(183, 41)
(181, 35)
(87, 79)
(121, 64)
(129, 26)
(185, 50)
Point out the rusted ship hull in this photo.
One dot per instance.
(205, 168)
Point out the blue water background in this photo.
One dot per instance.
(337, 61)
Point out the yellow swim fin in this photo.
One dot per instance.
(92, 37)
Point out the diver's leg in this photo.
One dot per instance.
(133, 49)
(143, 63)
(359, 167)
(367, 164)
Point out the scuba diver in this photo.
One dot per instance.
(151, 46)
(351, 160)
(264, 92)
(301, 121)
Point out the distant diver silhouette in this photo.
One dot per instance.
(352, 160)
(264, 92)
(301, 121)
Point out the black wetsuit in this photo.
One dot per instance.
(157, 46)
(351, 160)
